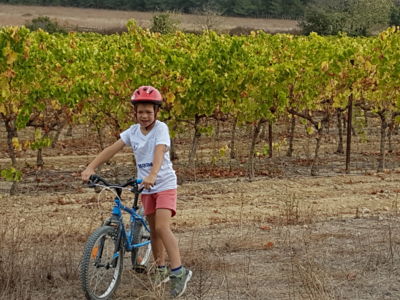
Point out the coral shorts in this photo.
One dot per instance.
(165, 199)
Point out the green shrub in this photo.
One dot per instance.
(46, 24)
(395, 16)
(163, 23)
(354, 17)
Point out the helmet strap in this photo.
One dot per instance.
(150, 126)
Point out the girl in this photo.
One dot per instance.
(150, 142)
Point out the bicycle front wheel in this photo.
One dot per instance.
(101, 265)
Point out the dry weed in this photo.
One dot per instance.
(314, 281)
(292, 213)
(26, 259)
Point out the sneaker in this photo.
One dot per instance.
(160, 276)
(179, 282)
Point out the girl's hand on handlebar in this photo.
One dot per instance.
(87, 173)
(149, 181)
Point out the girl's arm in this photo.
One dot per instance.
(101, 158)
(158, 159)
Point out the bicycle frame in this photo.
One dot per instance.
(117, 214)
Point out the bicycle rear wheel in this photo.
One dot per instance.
(102, 263)
(140, 256)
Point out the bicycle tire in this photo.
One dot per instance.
(104, 266)
(140, 256)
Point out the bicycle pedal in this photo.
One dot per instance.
(139, 269)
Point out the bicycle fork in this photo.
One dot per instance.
(116, 222)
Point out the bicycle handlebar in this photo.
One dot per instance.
(94, 179)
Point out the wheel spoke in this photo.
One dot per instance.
(98, 276)
(141, 255)
(102, 271)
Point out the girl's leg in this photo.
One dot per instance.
(156, 241)
(163, 232)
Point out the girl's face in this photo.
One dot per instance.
(145, 114)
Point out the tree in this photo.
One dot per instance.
(395, 14)
(355, 17)
(244, 8)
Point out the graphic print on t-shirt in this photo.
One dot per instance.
(145, 165)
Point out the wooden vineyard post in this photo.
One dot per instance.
(270, 139)
(349, 126)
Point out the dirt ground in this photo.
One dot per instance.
(283, 235)
(298, 237)
(104, 20)
(302, 238)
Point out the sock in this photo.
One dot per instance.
(176, 271)
(161, 267)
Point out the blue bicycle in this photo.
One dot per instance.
(102, 261)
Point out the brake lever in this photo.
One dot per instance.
(93, 179)
(91, 184)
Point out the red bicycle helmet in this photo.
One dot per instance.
(146, 94)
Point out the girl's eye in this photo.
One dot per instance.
(145, 112)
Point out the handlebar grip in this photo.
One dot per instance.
(94, 178)
(139, 181)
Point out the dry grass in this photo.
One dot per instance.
(319, 259)
(29, 257)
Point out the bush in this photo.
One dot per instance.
(163, 23)
(395, 16)
(354, 17)
(322, 22)
(46, 24)
(239, 30)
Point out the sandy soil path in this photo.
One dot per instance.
(109, 19)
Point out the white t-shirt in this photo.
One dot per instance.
(143, 147)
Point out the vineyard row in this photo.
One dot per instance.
(50, 81)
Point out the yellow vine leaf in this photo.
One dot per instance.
(55, 104)
(38, 134)
(10, 54)
(14, 108)
(310, 130)
(3, 109)
(16, 144)
(5, 92)
(27, 144)
(170, 97)
(11, 58)
(324, 66)
(178, 108)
